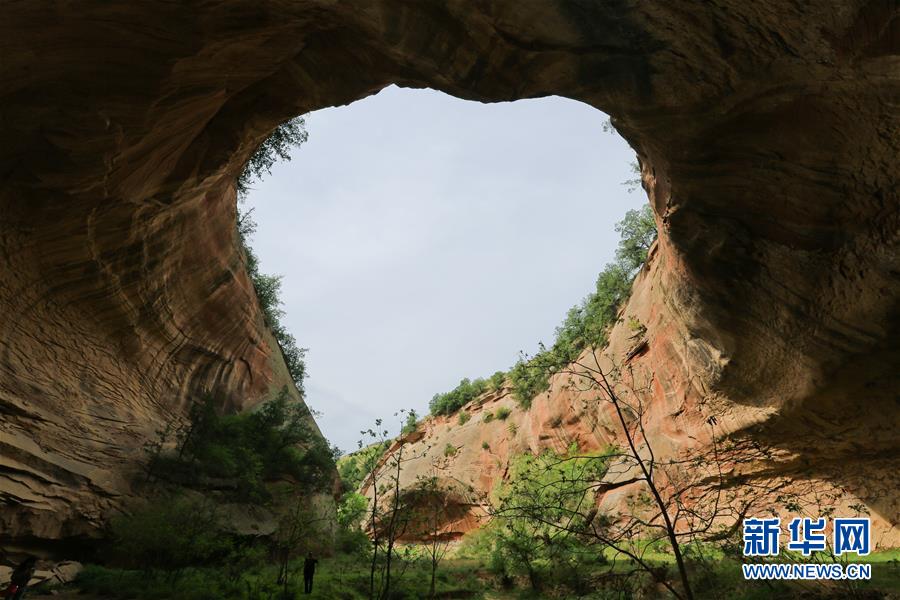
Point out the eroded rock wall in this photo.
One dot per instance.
(768, 135)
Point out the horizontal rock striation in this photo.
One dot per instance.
(767, 133)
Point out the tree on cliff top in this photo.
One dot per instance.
(290, 134)
(277, 146)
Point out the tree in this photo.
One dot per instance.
(412, 423)
(288, 135)
(298, 529)
(390, 513)
(637, 233)
(278, 145)
(170, 534)
(428, 500)
(537, 519)
(245, 450)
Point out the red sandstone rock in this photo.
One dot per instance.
(767, 132)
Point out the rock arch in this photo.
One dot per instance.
(768, 135)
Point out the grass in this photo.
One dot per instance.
(462, 575)
(342, 577)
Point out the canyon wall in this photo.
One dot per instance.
(767, 133)
(763, 457)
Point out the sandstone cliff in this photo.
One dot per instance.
(767, 132)
(680, 417)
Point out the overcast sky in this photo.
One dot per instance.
(423, 239)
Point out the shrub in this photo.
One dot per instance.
(247, 448)
(268, 294)
(412, 423)
(449, 450)
(464, 418)
(503, 412)
(277, 146)
(586, 325)
(513, 430)
(354, 468)
(485, 446)
(497, 380)
(529, 378)
(452, 401)
(170, 534)
(488, 417)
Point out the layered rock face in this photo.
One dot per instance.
(768, 136)
(759, 459)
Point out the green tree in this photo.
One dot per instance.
(288, 135)
(637, 232)
(536, 523)
(412, 423)
(462, 394)
(169, 534)
(247, 449)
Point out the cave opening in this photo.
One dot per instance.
(423, 239)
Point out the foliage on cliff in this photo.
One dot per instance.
(242, 451)
(586, 324)
(268, 287)
(353, 468)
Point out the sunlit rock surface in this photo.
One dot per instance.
(768, 135)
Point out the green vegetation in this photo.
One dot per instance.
(170, 534)
(586, 325)
(452, 401)
(503, 412)
(338, 577)
(475, 576)
(411, 424)
(450, 450)
(487, 418)
(290, 134)
(529, 378)
(464, 418)
(526, 538)
(268, 287)
(497, 381)
(485, 446)
(239, 453)
(353, 468)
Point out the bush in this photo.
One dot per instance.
(487, 418)
(354, 468)
(586, 325)
(497, 381)
(411, 424)
(485, 446)
(503, 412)
(172, 533)
(464, 418)
(452, 401)
(529, 378)
(247, 449)
(449, 450)
(277, 146)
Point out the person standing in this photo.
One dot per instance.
(18, 581)
(309, 569)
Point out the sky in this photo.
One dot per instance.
(423, 239)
